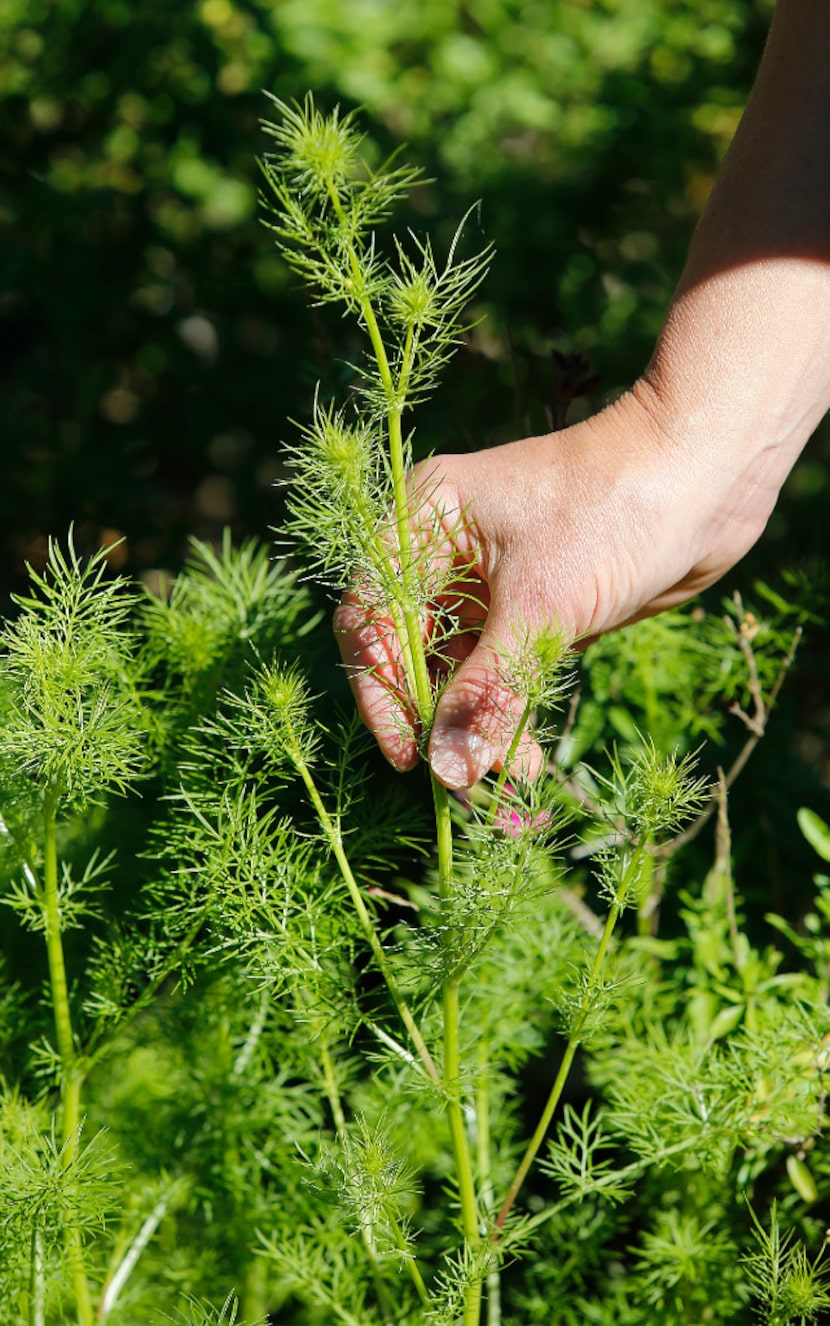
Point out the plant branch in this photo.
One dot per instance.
(57, 976)
(498, 789)
(411, 641)
(610, 1180)
(574, 1041)
(411, 1264)
(334, 839)
(336, 1106)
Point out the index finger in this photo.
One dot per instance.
(371, 651)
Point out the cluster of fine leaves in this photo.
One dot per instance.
(254, 1122)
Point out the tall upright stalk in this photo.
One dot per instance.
(71, 1071)
(414, 653)
(327, 205)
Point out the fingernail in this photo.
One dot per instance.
(459, 758)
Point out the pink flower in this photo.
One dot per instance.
(513, 822)
(510, 818)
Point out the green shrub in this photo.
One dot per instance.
(284, 1039)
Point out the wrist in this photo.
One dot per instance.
(735, 437)
(708, 484)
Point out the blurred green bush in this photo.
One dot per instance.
(153, 343)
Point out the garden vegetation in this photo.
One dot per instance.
(287, 1038)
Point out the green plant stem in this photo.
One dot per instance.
(37, 1288)
(452, 1059)
(645, 910)
(556, 1090)
(632, 1171)
(412, 641)
(629, 873)
(70, 1104)
(458, 1132)
(71, 1077)
(412, 1266)
(486, 1186)
(381, 559)
(414, 653)
(332, 1093)
(340, 1123)
(334, 840)
(498, 789)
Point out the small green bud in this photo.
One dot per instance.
(283, 688)
(414, 302)
(277, 713)
(345, 454)
(537, 668)
(662, 793)
(321, 151)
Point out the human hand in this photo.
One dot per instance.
(655, 498)
(585, 530)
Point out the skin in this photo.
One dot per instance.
(654, 499)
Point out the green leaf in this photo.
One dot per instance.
(802, 1180)
(816, 831)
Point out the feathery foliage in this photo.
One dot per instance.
(275, 1047)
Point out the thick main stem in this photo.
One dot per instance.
(452, 1060)
(71, 1077)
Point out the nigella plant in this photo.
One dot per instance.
(352, 507)
(278, 1046)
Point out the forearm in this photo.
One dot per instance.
(741, 372)
(653, 499)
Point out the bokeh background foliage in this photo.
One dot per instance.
(153, 346)
(152, 341)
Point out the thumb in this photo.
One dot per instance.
(478, 713)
